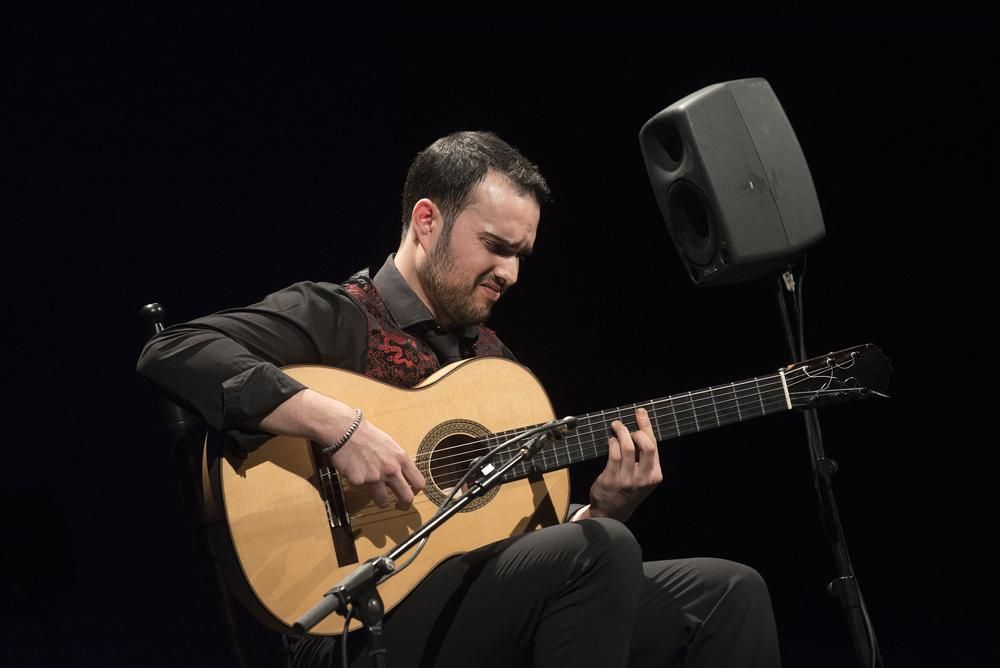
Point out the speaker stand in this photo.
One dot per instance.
(844, 587)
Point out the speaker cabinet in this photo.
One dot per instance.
(731, 182)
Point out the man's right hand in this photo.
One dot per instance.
(370, 456)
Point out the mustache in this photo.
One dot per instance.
(490, 277)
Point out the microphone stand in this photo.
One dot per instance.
(844, 587)
(357, 593)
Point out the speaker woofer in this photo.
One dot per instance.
(692, 223)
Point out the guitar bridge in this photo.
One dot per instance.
(332, 492)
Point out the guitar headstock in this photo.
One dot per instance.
(854, 373)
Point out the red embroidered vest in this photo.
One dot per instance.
(396, 356)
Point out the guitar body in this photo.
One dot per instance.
(276, 509)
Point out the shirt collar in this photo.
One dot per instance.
(403, 303)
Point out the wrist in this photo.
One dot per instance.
(312, 415)
(346, 436)
(620, 513)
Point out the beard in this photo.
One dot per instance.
(454, 301)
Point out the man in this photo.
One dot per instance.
(576, 593)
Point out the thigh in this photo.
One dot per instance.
(504, 603)
(664, 622)
(485, 604)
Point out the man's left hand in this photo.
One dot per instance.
(632, 471)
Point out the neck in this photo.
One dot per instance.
(671, 417)
(406, 263)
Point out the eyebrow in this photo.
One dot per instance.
(510, 246)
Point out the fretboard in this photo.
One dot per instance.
(671, 417)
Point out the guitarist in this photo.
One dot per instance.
(575, 594)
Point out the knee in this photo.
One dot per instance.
(613, 542)
(611, 534)
(746, 579)
(611, 563)
(742, 585)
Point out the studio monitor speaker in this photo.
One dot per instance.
(731, 182)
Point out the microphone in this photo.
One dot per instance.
(564, 426)
(556, 431)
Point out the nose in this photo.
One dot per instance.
(506, 271)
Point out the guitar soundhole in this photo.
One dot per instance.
(444, 457)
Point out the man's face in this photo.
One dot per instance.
(467, 273)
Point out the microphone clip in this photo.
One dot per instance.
(555, 432)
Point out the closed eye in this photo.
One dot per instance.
(499, 247)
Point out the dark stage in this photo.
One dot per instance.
(203, 162)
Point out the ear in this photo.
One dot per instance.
(425, 221)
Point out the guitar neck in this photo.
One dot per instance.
(671, 417)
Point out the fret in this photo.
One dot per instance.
(574, 443)
(559, 457)
(704, 413)
(569, 449)
(760, 397)
(620, 417)
(727, 411)
(573, 449)
(530, 467)
(547, 457)
(598, 437)
(673, 415)
(694, 412)
(598, 442)
(654, 420)
(577, 438)
(776, 396)
(544, 457)
(715, 407)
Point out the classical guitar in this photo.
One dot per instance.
(289, 527)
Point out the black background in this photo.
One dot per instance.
(203, 162)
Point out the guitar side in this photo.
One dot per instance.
(274, 529)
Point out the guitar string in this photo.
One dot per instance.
(441, 476)
(364, 519)
(629, 421)
(591, 424)
(694, 399)
(792, 378)
(683, 417)
(594, 448)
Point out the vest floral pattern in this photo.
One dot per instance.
(396, 356)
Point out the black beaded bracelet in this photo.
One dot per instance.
(330, 449)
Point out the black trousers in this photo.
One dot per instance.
(576, 594)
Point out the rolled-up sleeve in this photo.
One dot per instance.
(225, 366)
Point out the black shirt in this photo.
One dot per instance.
(226, 366)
